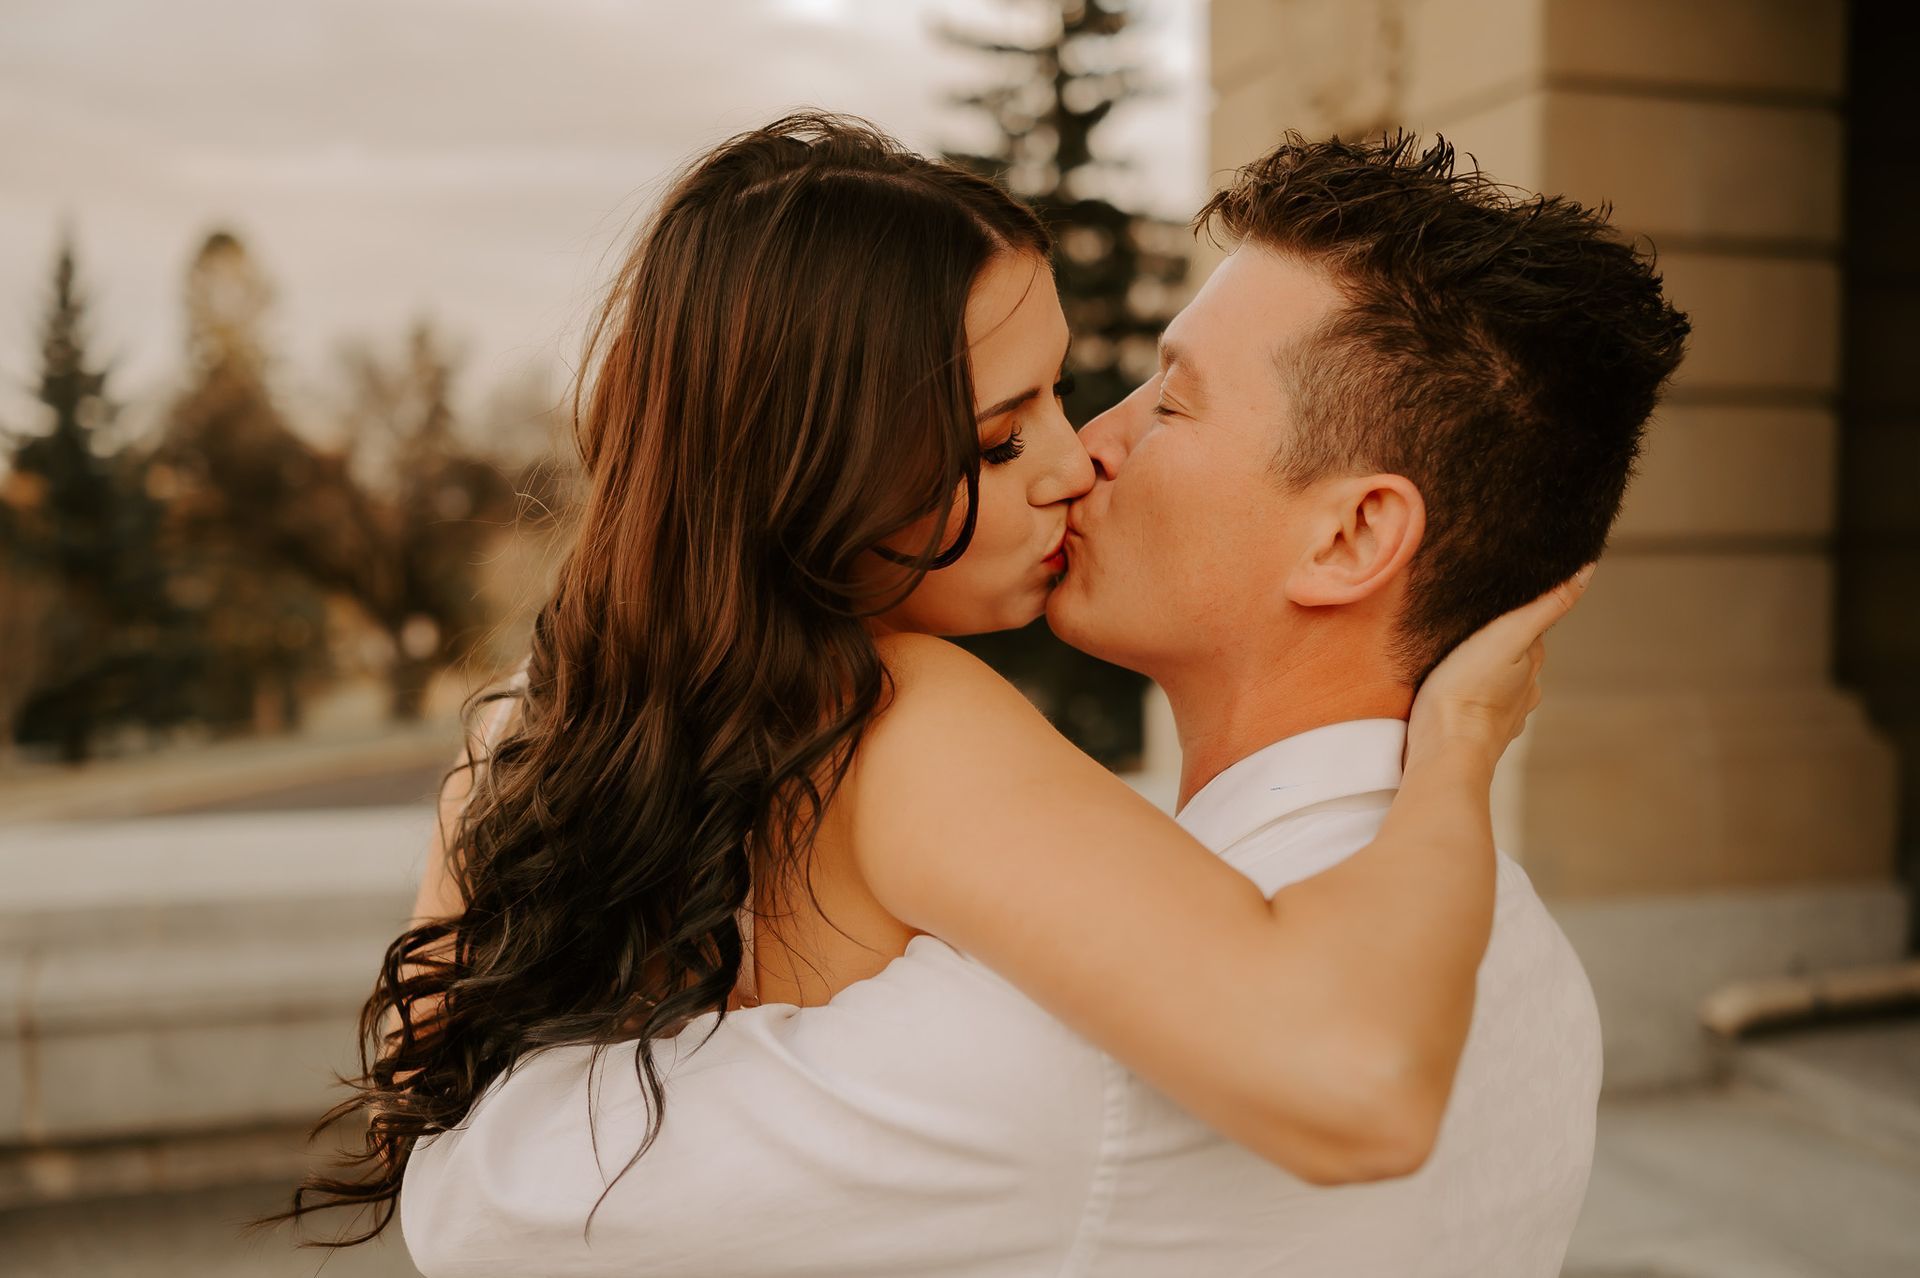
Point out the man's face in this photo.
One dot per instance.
(1182, 548)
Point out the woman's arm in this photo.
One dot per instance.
(1322, 1028)
(438, 897)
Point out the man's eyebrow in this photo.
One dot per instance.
(1172, 354)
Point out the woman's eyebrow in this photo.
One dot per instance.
(1008, 404)
(1012, 402)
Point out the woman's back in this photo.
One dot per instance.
(807, 941)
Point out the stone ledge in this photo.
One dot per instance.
(1653, 959)
(70, 884)
(187, 978)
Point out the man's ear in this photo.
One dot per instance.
(1367, 531)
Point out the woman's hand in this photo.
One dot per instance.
(1481, 695)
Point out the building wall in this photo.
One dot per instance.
(1697, 797)
(1879, 510)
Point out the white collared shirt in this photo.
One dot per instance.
(934, 1121)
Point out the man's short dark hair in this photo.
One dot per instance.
(1501, 350)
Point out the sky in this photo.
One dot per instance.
(482, 162)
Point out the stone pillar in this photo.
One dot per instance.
(1696, 797)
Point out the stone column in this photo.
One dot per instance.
(1696, 798)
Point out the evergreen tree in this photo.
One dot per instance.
(1120, 275)
(82, 525)
(28, 594)
(394, 519)
(1120, 272)
(76, 492)
(240, 481)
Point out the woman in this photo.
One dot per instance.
(822, 427)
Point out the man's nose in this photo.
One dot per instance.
(1112, 435)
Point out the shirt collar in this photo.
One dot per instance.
(1359, 756)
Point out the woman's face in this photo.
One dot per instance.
(1031, 463)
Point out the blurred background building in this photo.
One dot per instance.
(1717, 797)
(267, 514)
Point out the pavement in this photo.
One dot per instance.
(1740, 1183)
(191, 1235)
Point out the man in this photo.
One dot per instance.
(1403, 405)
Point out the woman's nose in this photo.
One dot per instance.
(1069, 473)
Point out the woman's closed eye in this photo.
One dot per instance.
(1014, 444)
(1004, 451)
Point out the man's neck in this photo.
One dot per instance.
(1221, 721)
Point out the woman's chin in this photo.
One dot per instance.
(1032, 608)
(1013, 613)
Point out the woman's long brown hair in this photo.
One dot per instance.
(777, 381)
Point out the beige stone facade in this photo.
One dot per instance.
(1698, 798)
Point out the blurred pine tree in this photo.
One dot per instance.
(1121, 275)
(394, 519)
(236, 476)
(99, 643)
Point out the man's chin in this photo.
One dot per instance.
(1070, 617)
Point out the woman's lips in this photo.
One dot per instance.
(1056, 563)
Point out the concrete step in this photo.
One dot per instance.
(1860, 1081)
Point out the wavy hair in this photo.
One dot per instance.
(777, 381)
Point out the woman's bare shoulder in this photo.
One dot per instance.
(907, 655)
(954, 727)
(940, 687)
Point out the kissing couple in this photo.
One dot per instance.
(768, 933)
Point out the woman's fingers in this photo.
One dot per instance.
(1490, 684)
(1518, 630)
(1540, 615)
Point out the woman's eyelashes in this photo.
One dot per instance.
(1013, 445)
(1004, 451)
